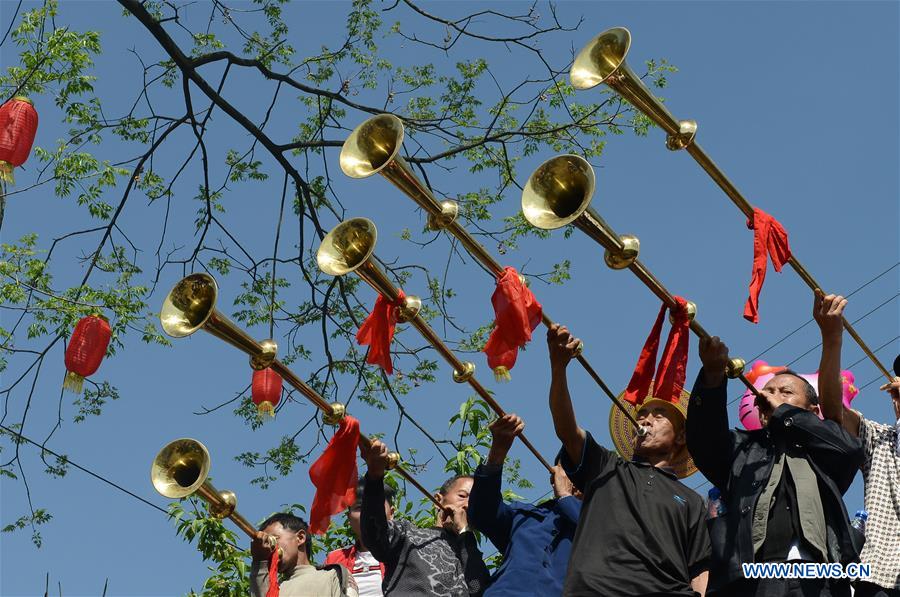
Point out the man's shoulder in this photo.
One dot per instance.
(691, 497)
(750, 437)
(316, 580)
(415, 532)
(339, 556)
(525, 507)
(871, 427)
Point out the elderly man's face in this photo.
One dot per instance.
(783, 389)
(664, 431)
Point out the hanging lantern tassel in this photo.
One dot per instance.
(86, 350)
(516, 314)
(18, 126)
(266, 391)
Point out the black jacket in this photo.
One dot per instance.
(740, 463)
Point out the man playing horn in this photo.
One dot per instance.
(535, 540)
(641, 531)
(300, 577)
(782, 485)
(442, 561)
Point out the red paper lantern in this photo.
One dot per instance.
(18, 125)
(266, 391)
(86, 350)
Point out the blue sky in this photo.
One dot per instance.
(796, 101)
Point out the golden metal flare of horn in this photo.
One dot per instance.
(181, 469)
(559, 192)
(191, 306)
(602, 60)
(349, 247)
(374, 147)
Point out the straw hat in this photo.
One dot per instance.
(622, 431)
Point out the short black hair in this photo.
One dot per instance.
(449, 483)
(291, 523)
(390, 493)
(811, 396)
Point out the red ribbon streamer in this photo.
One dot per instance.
(672, 368)
(377, 331)
(670, 373)
(516, 314)
(769, 239)
(273, 575)
(335, 476)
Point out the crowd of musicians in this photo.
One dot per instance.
(627, 525)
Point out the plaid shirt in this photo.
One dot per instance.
(881, 474)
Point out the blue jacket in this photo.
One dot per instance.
(535, 540)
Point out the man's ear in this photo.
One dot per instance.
(439, 497)
(680, 438)
(814, 408)
(301, 538)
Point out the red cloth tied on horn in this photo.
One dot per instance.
(273, 590)
(516, 314)
(335, 476)
(670, 373)
(769, 239)
(377, 331)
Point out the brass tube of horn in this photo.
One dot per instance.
(349, 248)
(374, 148)
(181, 469)
(191, 306)
(559, 192)
(602, 60)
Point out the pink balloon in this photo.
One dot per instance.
(747, 411)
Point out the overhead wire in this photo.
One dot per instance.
(81, 468)
(865, 315)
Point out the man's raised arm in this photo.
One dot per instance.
(828, 312)
(487, 511)
(709, 438)
(563, 346)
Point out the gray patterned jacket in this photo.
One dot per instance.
(420, 561)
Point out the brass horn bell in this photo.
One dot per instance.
(602, 60)
(348, 248)
(374, 148)
(559, 192)
(191, 306)
(181, 469)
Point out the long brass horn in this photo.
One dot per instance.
(191, 306)
(349, 247)
(559, 192)
(181, 469)
(602, 60)
(374, 148)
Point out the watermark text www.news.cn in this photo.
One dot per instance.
(804, 570)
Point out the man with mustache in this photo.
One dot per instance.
(641, 531)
